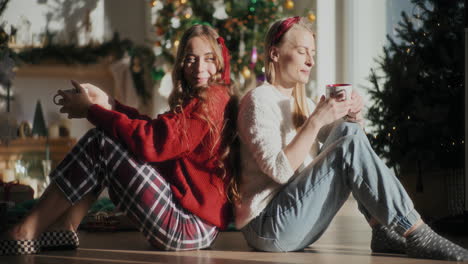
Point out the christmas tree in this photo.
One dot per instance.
(418, 114)
(243, 24)
(39, 125)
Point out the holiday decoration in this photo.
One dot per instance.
(243, 24)
(39, 125)
(289, 4)
(246, 72)
(311, 17)
(418, 90)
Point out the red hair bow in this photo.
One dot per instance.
(227, 68)
(285, 26)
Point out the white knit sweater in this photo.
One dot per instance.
(265, 127)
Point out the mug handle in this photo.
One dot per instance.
(55, 100)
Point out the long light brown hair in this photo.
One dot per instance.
(301, 110)
(182, 93)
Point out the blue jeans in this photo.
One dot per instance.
(303, 209)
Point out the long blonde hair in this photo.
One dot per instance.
(182, 93)
(301, 110)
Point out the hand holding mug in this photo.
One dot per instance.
(74, 102)
(357, 103)
(343, 92)
(59, 97)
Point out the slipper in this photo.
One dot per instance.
(64, 239)
(19, 247)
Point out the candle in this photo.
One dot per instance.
(8, 175)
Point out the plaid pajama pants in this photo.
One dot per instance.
(135, 187)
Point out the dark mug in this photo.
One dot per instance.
(58, 96)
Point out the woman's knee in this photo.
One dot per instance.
(92, 132)
(348, 128)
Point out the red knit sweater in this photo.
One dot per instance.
(180, 147)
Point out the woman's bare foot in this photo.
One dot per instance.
(19, 232)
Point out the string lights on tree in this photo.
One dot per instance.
(418, 110)
(243, 24)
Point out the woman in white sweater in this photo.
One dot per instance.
(290, 189)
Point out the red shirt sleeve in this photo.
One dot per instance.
(129, 111)
(170, 136)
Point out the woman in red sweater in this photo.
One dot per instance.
(168, 174)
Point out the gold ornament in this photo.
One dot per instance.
(246, 72)
(311, 17)
(289, 4)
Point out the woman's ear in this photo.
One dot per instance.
(274, 54)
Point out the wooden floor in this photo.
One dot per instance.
(346, 241)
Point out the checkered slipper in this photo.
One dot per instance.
(64, 239)
(19, 247)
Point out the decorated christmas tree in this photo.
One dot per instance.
(418, 90)
(242, 23)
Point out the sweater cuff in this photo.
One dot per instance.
(100, 117)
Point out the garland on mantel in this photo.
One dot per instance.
(144, 74)
(142, 59)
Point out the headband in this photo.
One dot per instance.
(226, 73)
(284, 27)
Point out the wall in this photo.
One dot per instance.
(66, 16)
(361, 30)
(34, 83)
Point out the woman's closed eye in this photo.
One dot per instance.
(301, 51)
